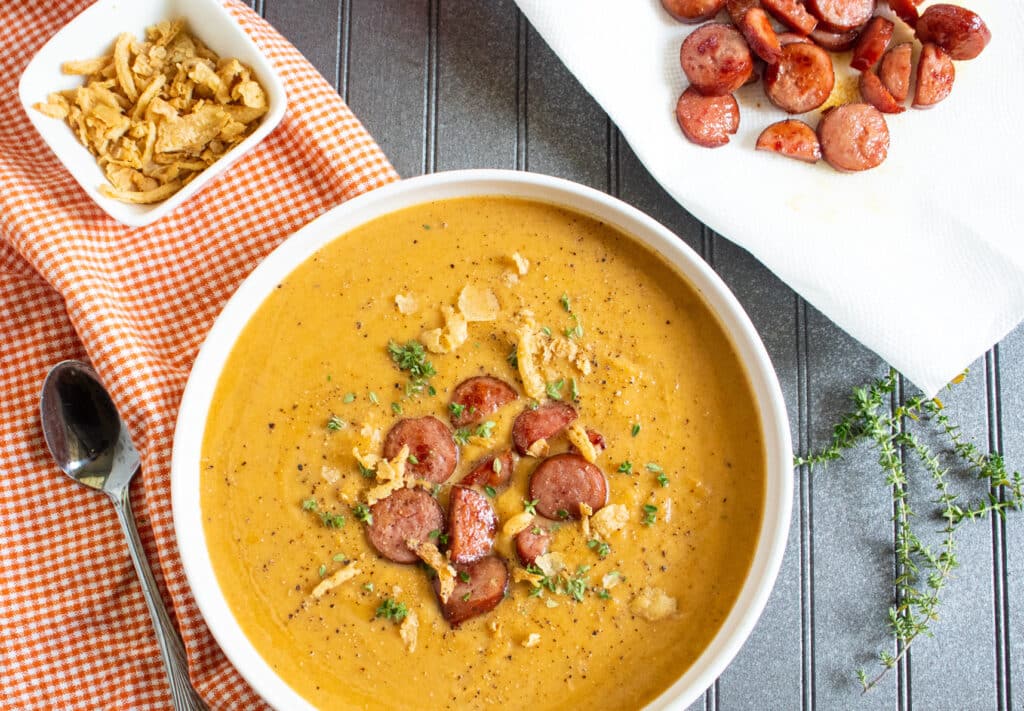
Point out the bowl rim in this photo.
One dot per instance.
(337, 222)
(131, 214)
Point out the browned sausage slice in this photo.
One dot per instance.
(935, 75)
(494, 470)
(835, 41)
(479, 587)
(791, 138)
(760, 34)
(562, 482)
(430, 443)
(405, 514)
(791, 37)
(738, 8)
(475, 398)
(872, 43)
(707, 120)
(792, 14)
(854, 137)
(956, 29)
(532, 542)
(842, 15)
(875, 93)
(906, 10)
(802, 80)
(895, 70)
(716, 59)
(471, 525)
(693, 11)
(547, 421)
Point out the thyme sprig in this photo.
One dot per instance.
(923, 571)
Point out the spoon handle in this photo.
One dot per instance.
(172, 650)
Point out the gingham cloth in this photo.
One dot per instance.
(74, 631)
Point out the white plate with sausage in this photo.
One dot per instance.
(945, 204)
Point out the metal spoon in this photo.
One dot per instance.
(92, 446)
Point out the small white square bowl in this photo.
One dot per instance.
(91, 34)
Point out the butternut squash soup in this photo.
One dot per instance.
(482, 451)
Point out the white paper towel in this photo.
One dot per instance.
(921, 259)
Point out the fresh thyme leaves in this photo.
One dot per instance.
(413, 459)
(564, 301)
(362, 513)
(349, 397)
(636, 429)
(322, 571)
(396, 408)
(650, 515)
(392, 610)
(373, 398)
(309, 505)
(335, 423)
(554, 389)
(923, 570)
(574, 390)
(412, 358)
(332, 520)
(546, 331)
(339, 558)
(662, 479)
(456, 409)
(461, 436)
(653, 467)
(626, 467)
(368, 587)
(490, 491)
(529, 506)
(600, 547)
(485, 429)
(464, 576)
(366, 471)
(513, 357)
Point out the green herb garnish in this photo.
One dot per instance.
(662, 479)
(626, 467)
(412, 358)
(513, 357)
(564, 301)
(636, 429)
(461, 436)
(574, 390)
(373, 398)
(309, 505)
(366, 471)
(396, 408)
(650, 515)
(600, 547)
(335, 423)
(464, 576)
(652, 467)
(553, 389)
(529, 506)
(392, 610)
(322, 570)
(456, 409)
(349, 397)
(413, 459)
(362, 513)
(485, 429)
(489, 490)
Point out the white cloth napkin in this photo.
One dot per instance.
(921, 259)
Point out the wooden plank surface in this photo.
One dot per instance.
(448, 84)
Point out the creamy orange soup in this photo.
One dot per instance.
(619, 616)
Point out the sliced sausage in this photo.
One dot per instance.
(486, 586)
(835, 41)
(956, 29)
(476, 398)
(707, 120)
(533, 542)
(433, 454)
(802, 80)
(545, 422)
(494, 470)
(791, 138)
(738, 8)
(842, 15)
(760, 34)
(562, 482)
(854, 137)
(895, 70)
(791, 37)
(872, 43)
(405, 514)
(906, 10)
(716, 59)
(792, 14)
(471, 525)
(693, 11)
(935, 75)
(874, 92)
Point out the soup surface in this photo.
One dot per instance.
(617, 617)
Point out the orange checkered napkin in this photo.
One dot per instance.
(74, 632)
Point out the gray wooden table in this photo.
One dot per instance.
(448, 84)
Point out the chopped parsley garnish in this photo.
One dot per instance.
(373, 398)
(392, 610)
(574, 390)
(335, 423)
(530, 506)
(650, 515)
(349, 397)
(412, 358)
(489, 490)
(456, 409)
(461, 436)
(600, 547)
(464, 576)
(513, 357)
(636, 429)
(485, 429)
(322, 571)
(564, 301)
(413, 459)
(553, 389)
(653, 467)
(332, 520)
(309, 505)
(362, 513)
(562, 514)
(396, 408)
(576, 586)
(662, 479)
(366, 471)
(626, 467)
